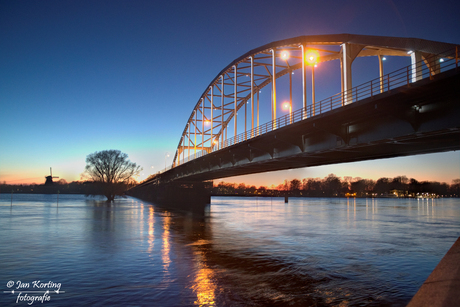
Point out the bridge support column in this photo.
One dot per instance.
(184, 195)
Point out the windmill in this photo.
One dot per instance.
(49, 179)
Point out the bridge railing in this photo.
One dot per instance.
(427, 68)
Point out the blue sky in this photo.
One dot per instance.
(83, 76)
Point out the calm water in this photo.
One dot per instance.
(243, 252)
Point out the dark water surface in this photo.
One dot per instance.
(242, 252)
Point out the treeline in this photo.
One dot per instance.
(62, 187)
(330, 186)
(333, 186)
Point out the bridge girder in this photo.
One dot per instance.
(381, 126)
(239, 84)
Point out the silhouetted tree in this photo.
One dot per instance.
(455, 187)
(382, 185)
(414, 186)
(332, 185)
(359, 187)
(241, 188)
(251, 190)
(111, 172)
(294, 186)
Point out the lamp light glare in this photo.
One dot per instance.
(284, 55)
(311, 57)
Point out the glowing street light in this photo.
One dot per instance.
(287, 105)
(311, 57)
(284, 55)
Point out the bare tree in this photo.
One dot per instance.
(111, 172)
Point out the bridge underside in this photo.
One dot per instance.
(423, 117)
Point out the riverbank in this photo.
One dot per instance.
(442, 287)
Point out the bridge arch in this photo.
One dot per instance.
(241, 81)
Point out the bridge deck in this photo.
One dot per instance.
(423, 117)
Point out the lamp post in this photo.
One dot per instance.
(287, 105)
(311, 57)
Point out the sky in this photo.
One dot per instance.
(78, 77)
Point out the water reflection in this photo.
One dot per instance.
(203, 285)
(151, 233)
(165, 252)
(257, 252)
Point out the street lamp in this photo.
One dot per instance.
(284, 55)
(311, 57)
(287, 105)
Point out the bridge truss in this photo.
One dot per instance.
(230, 108)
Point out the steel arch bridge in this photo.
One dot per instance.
(230, 109)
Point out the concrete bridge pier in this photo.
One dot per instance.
(183, 195)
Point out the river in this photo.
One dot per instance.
(241, 252)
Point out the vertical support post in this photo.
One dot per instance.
(416, 58)
(304, 83)
(345, 62)
(188, 140)
(380, 73)
(194, 144)
(290, 97)
(245, 120)
(202, 124)
(274, 87)
(212, 116)
(258, 112)
(222, 114)
(235, 96)
(349, 53)
(313, 100)
(252, 96)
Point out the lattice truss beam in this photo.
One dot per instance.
(233, 95)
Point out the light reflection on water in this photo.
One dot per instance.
(245, 251)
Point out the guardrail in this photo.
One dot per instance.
(426, 68)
